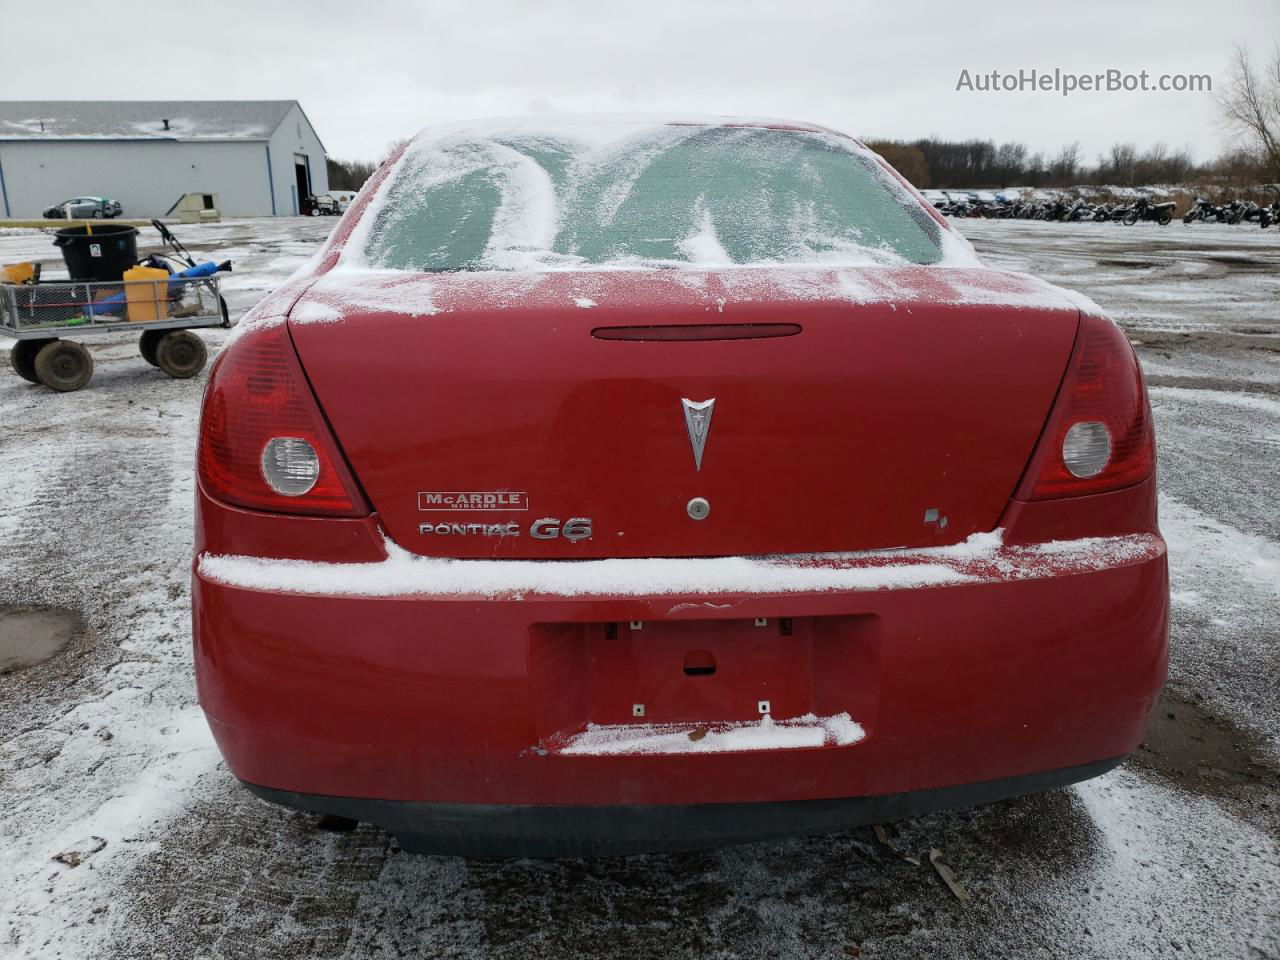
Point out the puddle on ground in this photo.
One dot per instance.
(1242, 261)
(1204, 753)
(1131, 262)
(31, 635)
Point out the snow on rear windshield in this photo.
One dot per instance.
(678, 195)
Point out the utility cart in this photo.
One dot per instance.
(162, 310)
(109, 291)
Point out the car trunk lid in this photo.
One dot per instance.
(853, 409)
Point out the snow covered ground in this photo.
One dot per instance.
(122, 836)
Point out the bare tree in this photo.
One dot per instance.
(1010, 161)
(348, 174)
(1036, 170)
(1066, 165)
(1251, 106)
(906, 158)
(1119, 164)
(393, 147)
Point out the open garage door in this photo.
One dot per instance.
(302, 178)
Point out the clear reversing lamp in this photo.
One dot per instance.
(1086, 448)
(290, 465)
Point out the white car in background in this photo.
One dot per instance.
(344, 198)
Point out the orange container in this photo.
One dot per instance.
(146, 293)
(18, 272)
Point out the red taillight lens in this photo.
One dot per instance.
(1099, 435)
(262, 436)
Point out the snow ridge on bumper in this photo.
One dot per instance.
(980, 558)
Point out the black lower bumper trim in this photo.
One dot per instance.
(511, 830)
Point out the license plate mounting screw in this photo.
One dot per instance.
(764, 707)
(637, 709)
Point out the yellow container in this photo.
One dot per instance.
(146, 293)
(17, 273)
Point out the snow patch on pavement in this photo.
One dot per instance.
(1160, 852)
(1204, 552)
(1229, 581)
(74, 843)
(1247, 401)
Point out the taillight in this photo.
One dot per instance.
(263, 441)
(1099, 435)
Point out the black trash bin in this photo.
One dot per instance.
(98, 252)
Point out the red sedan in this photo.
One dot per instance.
(608, 485)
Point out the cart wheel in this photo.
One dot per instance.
(22, 357)
(63, 365)
(147, 345)
(181, 354)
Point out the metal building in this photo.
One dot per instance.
(261, 157)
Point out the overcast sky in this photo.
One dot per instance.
(370, 72)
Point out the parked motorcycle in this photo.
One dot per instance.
(1144, 209)
(1201, 209)
(1264, 215)
(1120, 211)
(1234, 210)
(1080, 210)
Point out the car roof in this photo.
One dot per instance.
(589, 125)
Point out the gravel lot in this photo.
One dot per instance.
(123, 836)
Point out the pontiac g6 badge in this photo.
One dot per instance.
(545, 528)
(697, 420)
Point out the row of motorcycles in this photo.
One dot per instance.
(1065, 210)
(1234, 211)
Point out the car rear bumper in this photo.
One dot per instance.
(454, 717)
(510, 830)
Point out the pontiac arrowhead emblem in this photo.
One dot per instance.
(697, 419)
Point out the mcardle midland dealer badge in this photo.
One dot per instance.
(473, 500)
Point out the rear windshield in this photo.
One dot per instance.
(660, 196)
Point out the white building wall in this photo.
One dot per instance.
(295, 137)
(145, 176)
